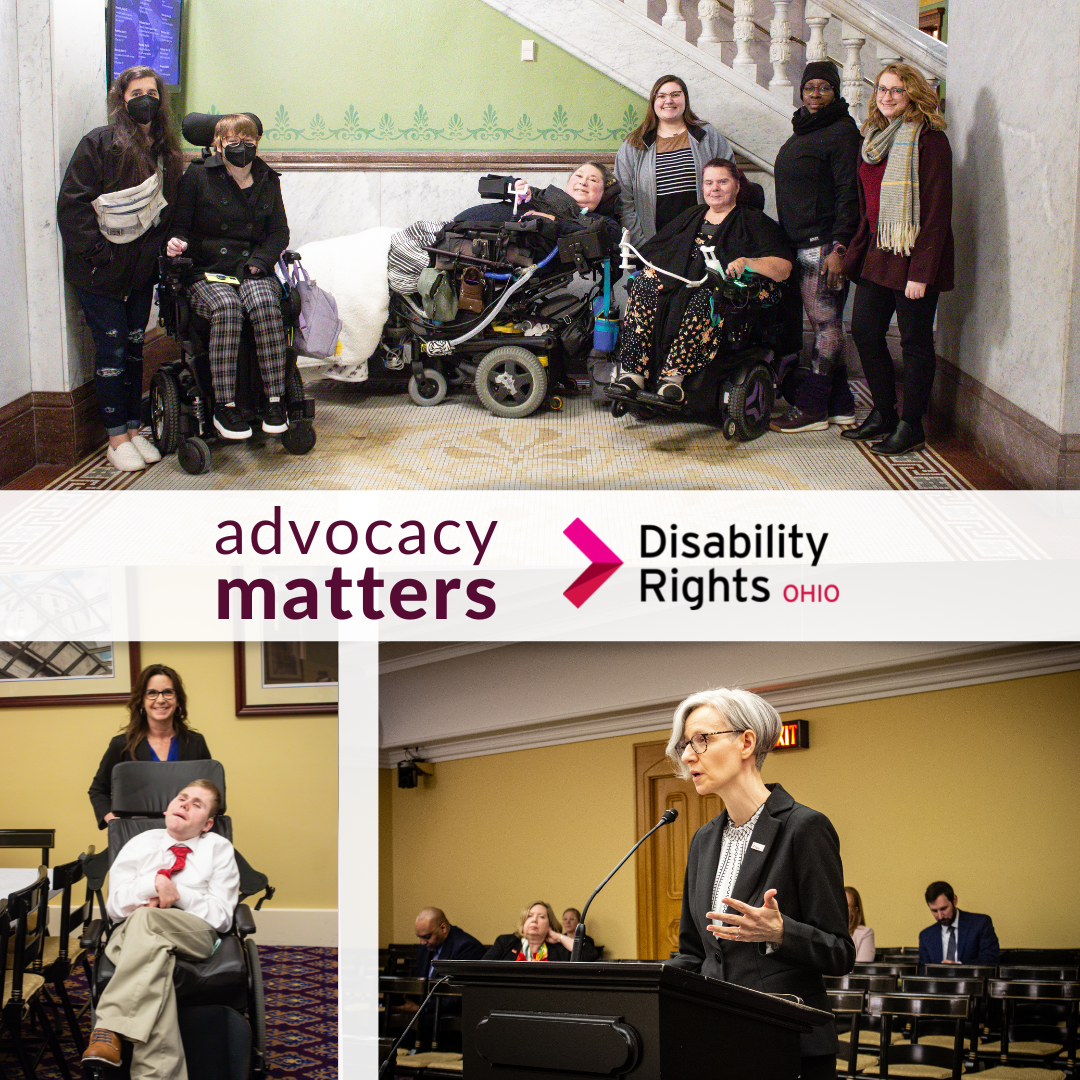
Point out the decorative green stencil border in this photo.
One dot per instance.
(596, 130)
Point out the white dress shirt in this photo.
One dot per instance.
(209, 884)
(945, 936)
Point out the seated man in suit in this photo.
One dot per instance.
(570, 918)
(439, 941)
(175, 890)
(956, 937)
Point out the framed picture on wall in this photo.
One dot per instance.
(39, 673)
(285, 678)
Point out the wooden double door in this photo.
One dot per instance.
(661, 861)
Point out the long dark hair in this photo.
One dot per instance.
(636, 138)
(138, 726)
(138, 159)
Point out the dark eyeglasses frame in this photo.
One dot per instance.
(153, 695)
(680, 747)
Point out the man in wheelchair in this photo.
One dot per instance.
(175, 890)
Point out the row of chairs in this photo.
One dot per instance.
(873, 1004)
(1008, 957)
(37, 965)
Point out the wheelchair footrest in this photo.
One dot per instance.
(309, 408)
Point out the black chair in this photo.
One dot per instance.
(1032, 1045)
(22, 931)
(62, 953)
(1016, 973)
(220, 1000)
(961, 971)
(848, 1005)
(394, 990)
(939, 1062)
(1040, 957)
(400, 958)
(892, 956)
(894, 969)
(973, 989)
(868, 1031)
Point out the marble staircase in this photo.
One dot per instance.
(741, 59)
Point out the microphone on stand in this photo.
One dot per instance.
(579, 934)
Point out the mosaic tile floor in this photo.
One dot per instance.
(371, 439)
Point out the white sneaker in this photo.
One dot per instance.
(125, 458)
(147, 450)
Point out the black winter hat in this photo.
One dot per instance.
(821, 69)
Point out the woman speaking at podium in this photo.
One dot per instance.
(763, 899)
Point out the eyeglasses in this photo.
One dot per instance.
(676, 96)
(817, 91)
(700, 742)
(891, 91)
(167, 695)
(239, 142)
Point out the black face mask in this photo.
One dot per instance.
(240, 155)
(143, 109)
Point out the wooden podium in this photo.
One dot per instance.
(644, 1020)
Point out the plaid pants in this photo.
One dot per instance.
(224, 305)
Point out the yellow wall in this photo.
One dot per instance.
(281, 774)
(976, 785)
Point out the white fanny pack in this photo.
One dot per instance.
(125, 215)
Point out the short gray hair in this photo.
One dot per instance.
(741, 709)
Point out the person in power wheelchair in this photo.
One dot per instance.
(231, 220)
(711, 272)
(490, 309)
(173, 971)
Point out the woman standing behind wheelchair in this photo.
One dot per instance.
(902, 255)
(230, 221)
(661, 162)
(817, 202)
(112, 213)
(742, 238)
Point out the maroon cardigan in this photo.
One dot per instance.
(931, 260)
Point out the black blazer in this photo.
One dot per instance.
(192, 748)
(507, 947)
(457, 946)
(976, 941)
(801, 860)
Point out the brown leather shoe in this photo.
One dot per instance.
(104, 1047)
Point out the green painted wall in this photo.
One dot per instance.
(388, 75)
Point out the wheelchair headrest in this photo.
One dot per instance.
(121, 830)
(198, 128)
(147, 787)
(609, 202)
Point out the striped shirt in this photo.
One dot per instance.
(676, 178)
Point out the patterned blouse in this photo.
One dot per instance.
(733, 845)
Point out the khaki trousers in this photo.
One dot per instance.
(139, 1003)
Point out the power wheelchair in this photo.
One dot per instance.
(738, 387)
(181, 391)
(220, 1002)
(522, 329)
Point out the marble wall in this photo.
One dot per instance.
(1013, 321)
(15, 369)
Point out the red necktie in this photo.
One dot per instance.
(181, 851)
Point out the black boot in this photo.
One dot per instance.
(874, 425)
(906, 438)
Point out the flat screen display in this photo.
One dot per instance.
(146, 32)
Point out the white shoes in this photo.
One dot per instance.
(147, 450)
(125, 457)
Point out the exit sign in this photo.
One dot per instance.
(795, 735)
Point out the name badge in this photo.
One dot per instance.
(757, 847)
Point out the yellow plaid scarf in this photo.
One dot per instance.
(898, 213)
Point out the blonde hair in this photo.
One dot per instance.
(554, 923)
(236, 124)
(923, 102)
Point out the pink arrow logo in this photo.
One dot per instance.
(603, 562)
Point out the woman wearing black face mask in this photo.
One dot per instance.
(113, 213)
(231, 222)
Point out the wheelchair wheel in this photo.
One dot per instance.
(165, 412)
(256, 1012)
(511, 381)
(299, 438)
(751, 401)
(429, 390)
(555, 403)
(729, 429)
(619, 408)
(194, 456)
(793, 379)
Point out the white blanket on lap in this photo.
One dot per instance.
(353, 270)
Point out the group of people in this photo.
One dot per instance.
(871, 207)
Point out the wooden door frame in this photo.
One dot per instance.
(650, 762)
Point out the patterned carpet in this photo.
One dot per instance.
(301, 1017)
(372, 439)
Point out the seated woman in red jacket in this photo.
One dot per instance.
(231, 222)
(902, 253)
(536, 938)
